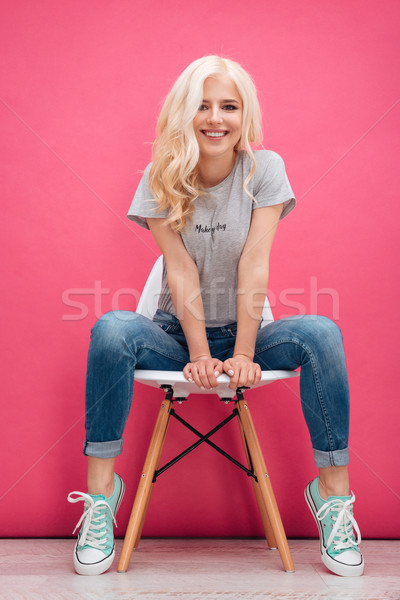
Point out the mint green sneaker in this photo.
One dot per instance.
(334, 517)
(95, 549)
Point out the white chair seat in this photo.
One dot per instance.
(182, 387)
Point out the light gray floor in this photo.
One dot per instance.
(216, 569)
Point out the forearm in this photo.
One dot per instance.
(184, 285)
(252, 289)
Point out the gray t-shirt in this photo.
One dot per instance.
(216, 236)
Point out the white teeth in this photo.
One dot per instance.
(214, 134)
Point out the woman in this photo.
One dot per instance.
(213, 206)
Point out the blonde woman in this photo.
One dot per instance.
(213, 205)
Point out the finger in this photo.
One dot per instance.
(203, 376)
(218, 367)
(187, 373)
(244, 374)
(228, 368)
(196, 377)
(256, 376)
(251, 376)
(213, 369)
(233, 384)
(212, 374)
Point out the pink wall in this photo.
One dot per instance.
(81, 87)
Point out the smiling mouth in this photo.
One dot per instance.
(214, 134)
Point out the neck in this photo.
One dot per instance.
(214, 170)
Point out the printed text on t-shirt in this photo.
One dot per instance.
(208, 229)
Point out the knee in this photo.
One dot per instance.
(115, 319)
(328, 327)
(111, 328)
(318, 330)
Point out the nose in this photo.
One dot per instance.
(214, 115)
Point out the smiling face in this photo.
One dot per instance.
(218, 123)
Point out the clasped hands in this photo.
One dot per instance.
(241, 369)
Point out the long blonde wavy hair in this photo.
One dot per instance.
(173, 176)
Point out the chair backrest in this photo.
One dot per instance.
(148, 300)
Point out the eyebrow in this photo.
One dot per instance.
(231, 101)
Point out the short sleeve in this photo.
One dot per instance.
(271, 183)
(144, 205)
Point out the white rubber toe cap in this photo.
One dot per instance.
(350, 557)
(91, 561)
(347, 564)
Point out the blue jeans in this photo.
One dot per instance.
(122, 341)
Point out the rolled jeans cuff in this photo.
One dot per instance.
(335, 458)
(103, 449)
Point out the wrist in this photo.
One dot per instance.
(200, 357)
(241, 354)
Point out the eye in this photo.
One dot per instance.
(229, 107)
(202, 107)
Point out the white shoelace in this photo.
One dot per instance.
(343, 528)
(94, 521)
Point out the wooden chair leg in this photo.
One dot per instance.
(141, 525)
(145, 486)
(269, 533)
(264, 483)
(157, 462)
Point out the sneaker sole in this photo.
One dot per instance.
(330, 563)
(102, 566)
